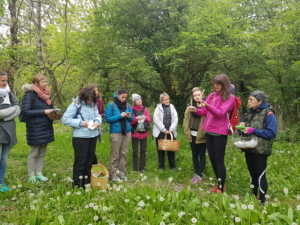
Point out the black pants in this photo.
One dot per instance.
(84, 154)
(257, 165)
(198, 156)
(161, 154)
(135, 154)
(216, 146)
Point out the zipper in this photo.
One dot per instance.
(210, 114)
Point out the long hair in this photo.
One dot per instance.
(92, 86)
(224, 81)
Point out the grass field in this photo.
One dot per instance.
(155, 197)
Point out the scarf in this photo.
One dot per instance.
(122, 106)
(4, 91)
(43, 94)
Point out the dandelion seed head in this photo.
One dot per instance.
(267, 196)
(170, 179)
(104, 208)
(244, 206)
(210, 178)
(162, 223)
(54, 174)
(95, 207)
(86, 206)
(298, 207)
(80, 177)
(251, 186)
(232, 206)
(219, 179)
(161, 199)
(96, 218)
(91, 205)
(206, 204)
(194, 220)
(13, 187)
(237, 219)
(19, 185)
(250, 206)
(117, 172)
(126, 200)
(78, 193)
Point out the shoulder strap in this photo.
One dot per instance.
(143, 110)
(78, 112)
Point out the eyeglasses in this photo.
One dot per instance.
(251, 100)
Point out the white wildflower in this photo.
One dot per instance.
(206, 204)
(232, 205)
(161, 199)
(96, 218)
(244, 206)
(237, 219)
(170, 179)
(104, 208)
(194, 220)
(54, 174)
(126, 200)
(250, 206)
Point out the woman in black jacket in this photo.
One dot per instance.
(36, 105)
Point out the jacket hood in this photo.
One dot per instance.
(26, 87)
(263, 105)
(115, 94)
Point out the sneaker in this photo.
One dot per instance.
(161, 169)
(4, 188)
(123, 177)
(219, 191)
(216, 188)
(193, 178)
(32, 179)
(41, 177)
(143, 171)
(197, 179)
(173, 169)
(114, 179)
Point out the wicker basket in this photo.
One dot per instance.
(168, 145)
(96, 181)
(55, 116)
(245, 142)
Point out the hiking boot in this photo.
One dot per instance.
(32, 179)
(193, 178)
(123, 177)
(4, 188)
(197, 179)
(41, 177)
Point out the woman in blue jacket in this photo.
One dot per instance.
(119, 114)
(84, 117)
(259, 121)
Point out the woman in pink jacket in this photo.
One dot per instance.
(217, 108)
(139, 133)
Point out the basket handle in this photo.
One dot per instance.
(171, 136)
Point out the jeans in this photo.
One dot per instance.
(136, 164)
(35, 161)
(84, 154)
(118, 154)
(4, 152)
(198, 156)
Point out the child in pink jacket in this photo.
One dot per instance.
(217, 108)
(139, 133)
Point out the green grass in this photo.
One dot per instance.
(160, 197)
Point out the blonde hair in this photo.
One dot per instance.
(163, 95)
(196, 89)
(37, 78)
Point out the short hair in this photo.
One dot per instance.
(122, 90)
(259, 95)
(85, 94)
(2, 73)
(37, 78)
(163, 95)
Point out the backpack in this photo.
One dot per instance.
(78, 113)
(142, 127)
(234, 115)
(22, 117)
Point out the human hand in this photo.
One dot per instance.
(202, 104)
(242, 124)
(48, 111)
(85, 124)
(124, 114)
(96, 125)
(167, 132)
(191, 109)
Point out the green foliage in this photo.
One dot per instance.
(152, 197)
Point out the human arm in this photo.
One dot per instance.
(109, 114)
(270, 130)
(156, 119)
(225, 108)
(69, 120)
(174, 119)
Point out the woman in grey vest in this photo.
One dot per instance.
(9, 109)
(259, 121)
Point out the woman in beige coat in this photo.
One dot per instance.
(194, 134)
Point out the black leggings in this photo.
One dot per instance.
(198, 156)
(216, 146)
(257, 165)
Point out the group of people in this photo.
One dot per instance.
(205, 125)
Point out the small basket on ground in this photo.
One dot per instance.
(245, 142)
(55, 116)
(168, 145)
(99, 176)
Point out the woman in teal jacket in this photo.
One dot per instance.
(84, 117)
(119, 114)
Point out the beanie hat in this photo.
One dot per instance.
(135, 97)
(232, 88)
